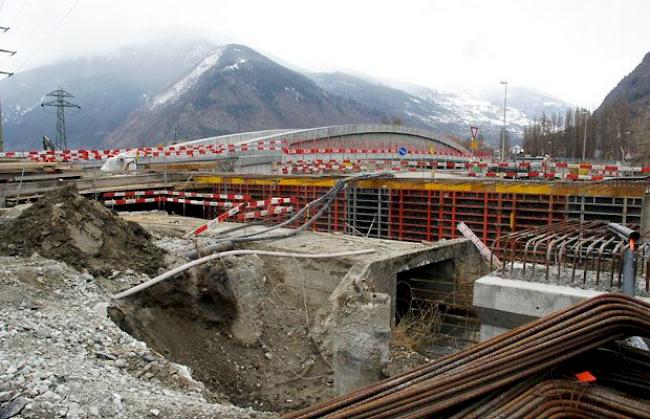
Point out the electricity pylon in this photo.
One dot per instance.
(60, 101)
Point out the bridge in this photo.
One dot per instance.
(258, 151)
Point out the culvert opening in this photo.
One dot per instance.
(433, 311)
(239, 328)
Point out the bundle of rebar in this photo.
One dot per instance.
(575, 250)
(489, 370)
(621, 382)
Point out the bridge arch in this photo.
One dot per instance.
(359, 135)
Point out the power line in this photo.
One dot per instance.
(101, 125)
(20, 11)
(47, 37)
(60, 102)
(38, 25)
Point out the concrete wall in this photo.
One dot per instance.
(503, 304)
(316, 278)
(382, 274)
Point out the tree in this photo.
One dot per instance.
(608, 133)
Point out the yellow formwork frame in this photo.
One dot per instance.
(615, 189)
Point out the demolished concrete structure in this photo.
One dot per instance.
(344, 306)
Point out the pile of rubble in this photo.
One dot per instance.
(61, 355)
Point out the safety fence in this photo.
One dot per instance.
(461, 166)
(200, 150)
(241, 207)
(299, 160)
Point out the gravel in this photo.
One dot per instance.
(61, 356)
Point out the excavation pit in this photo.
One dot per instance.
(271, 333)
(240, 330)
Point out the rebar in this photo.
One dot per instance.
(497, 364)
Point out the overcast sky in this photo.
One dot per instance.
(576, 50)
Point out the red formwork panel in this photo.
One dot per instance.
(426, 215)
(417, 215)
(410, 215)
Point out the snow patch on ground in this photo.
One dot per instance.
(187, 82)
(294, 92)
(470, 111)
(233, 67)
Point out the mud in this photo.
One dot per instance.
(82, 233)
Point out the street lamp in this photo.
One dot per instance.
(584, 138)
(626, 143)
(503, 132)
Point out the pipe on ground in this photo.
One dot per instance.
(213, 256)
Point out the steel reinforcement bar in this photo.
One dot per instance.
(496, 364)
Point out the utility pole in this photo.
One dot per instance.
(503, 132)
(8, 74)
(60, 102)
(585, 114)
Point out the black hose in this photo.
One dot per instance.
(329, 197)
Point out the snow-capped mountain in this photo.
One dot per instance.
(444, 113)
(108, 88)
(463, 111)
(189, 88)
(531, 102)
(236, 89)
(188, 81)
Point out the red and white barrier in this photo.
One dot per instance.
(319, 160)
(265, 213)
(134, 193)
(271, 205)
(236, 197)
(131, 201)
(221, 218)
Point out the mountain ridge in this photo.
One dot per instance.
(625, 113)
(237, 89)
(131, 98)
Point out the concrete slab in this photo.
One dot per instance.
(316, 280)
(503, 304)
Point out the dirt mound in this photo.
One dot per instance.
(82, 233)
